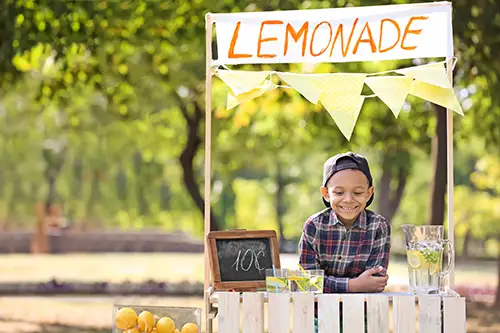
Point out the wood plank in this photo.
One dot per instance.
(404, 314)
(328, 313)
(353, 311)
(253, 313)
(429, 314)
(303, 313)
(378, 314)
(229, 312)
(454, 315)
(279, 313)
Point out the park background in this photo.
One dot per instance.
(102, 155)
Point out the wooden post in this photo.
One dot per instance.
(449, 151)
(208, 136)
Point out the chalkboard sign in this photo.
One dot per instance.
(239, 258)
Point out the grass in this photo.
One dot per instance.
(176, 267)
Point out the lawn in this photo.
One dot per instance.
(176, 267)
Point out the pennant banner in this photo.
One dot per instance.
(392, 90)
(434, 74)
(242, 81)
(344, 110)
(309, 86)
(341, 93)
(437, 95)
(235, 100)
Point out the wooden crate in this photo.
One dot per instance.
(294, 312)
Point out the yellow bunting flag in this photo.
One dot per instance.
(344, 110)
(308, 85)
(432, 73)
(341, 98)
(441, 96)
(242, 81)
(233, 100)
(392, 90)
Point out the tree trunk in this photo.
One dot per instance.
(392, 169)
(467, 238)
(280, 204)
(187, 157)
(438, 185)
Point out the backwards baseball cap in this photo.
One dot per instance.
(345, 161)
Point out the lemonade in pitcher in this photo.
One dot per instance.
(424, 252)
(424, 265)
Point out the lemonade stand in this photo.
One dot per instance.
(292, 299)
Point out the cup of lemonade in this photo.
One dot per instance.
(277, 280)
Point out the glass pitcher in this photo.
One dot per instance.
(424, 252)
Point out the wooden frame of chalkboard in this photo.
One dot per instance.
(229, 245)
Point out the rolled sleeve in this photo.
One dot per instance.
(336, 284)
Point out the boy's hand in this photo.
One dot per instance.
(366, 282)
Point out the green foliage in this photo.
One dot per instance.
(101, 96)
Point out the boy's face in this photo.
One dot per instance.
(347, 191)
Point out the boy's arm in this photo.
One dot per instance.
(381, 247)
(309, 259)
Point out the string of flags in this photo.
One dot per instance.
(340, 93)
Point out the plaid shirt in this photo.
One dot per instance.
(326, 244)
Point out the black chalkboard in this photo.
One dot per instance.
(238, 259)
(244, 259)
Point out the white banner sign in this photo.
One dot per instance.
(335, 35)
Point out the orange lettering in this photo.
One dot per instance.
(296, 36)
(262, 40)
(408, 31)
(340, 31)
(312, 39)
(369, 40)
(382, 50)
(231, 54)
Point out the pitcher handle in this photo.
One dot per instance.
(451, 257)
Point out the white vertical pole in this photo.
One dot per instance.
(208, 136)
(449, 148)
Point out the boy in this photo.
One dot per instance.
(349, 242)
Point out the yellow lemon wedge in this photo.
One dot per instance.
(126, 318)
(434, 268)
(415, 258)
(189, 328)
(146, 321)
(165, 325)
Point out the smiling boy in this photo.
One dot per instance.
(348, 241)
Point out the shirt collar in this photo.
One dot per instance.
(361, 221)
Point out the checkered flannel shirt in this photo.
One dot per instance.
(327, 244)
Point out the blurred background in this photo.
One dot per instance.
(102, 156)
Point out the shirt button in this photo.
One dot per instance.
(339, 257)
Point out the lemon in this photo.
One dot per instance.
(189, 328)
(165, 325)
(177, 331)
(133, 330)
(415, 258)
(154, 330)
(146, 321)
(126, 318)
(434, 268)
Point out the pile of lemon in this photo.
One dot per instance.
(128, 321)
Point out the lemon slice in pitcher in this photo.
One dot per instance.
(415, 258)
(434, 268)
